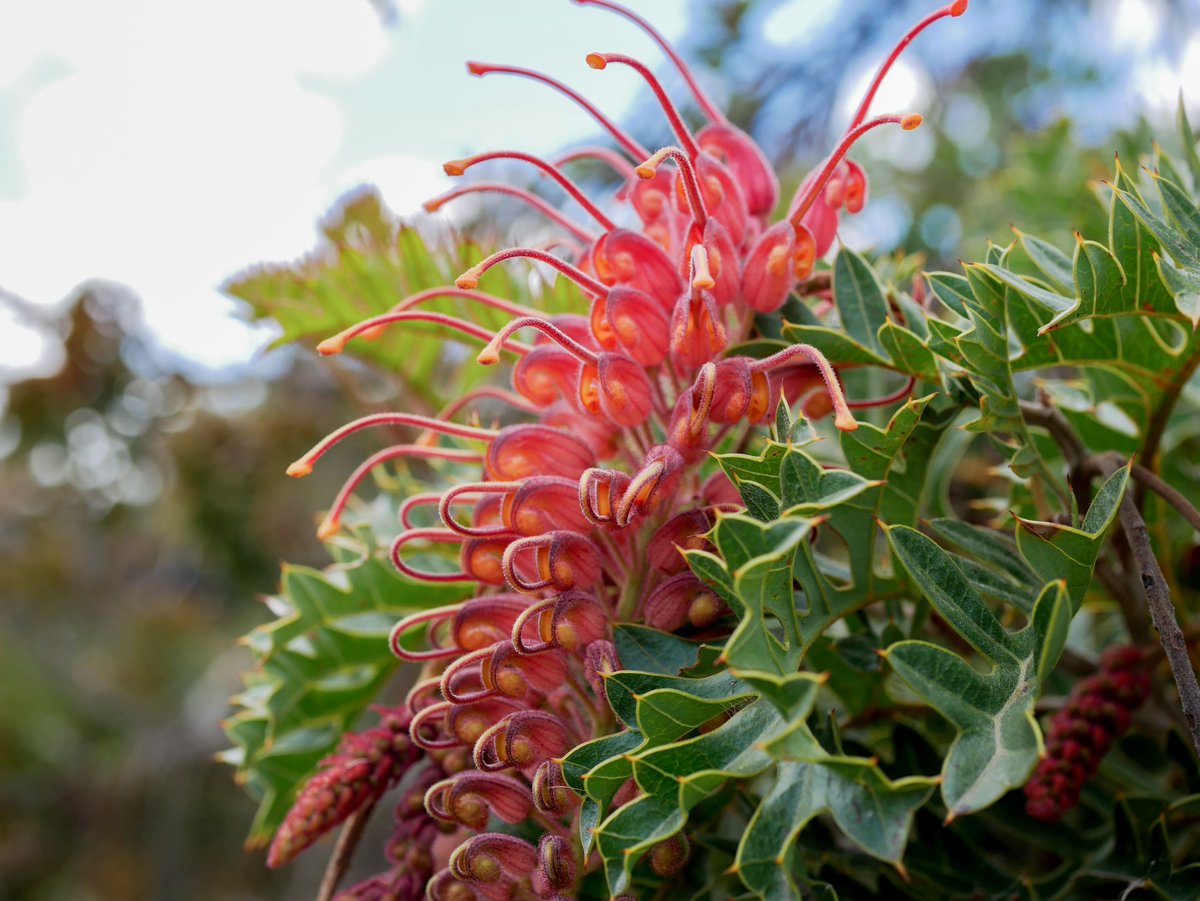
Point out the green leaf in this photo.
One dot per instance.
(652, 650)
(1053, 263)
(951, 289)
(1189, 141)
(874, 812)
(317, 668)
(759, 557)
(909, 353)
(1058, 552)
(859, 298)
(998, 741)
(1184, 285)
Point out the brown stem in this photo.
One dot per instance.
(1167, 493)
(1158, 598)
(343, 852)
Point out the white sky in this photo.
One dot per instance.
(167, 144)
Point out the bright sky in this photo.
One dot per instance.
(166, 145)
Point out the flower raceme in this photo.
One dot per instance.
(579, 512)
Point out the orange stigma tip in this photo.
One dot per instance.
(958, 7)
(299, 469)
(479, 69)
(644, 171)
(596, 61)
(908, 123)
(328, 528)
(330, 346)
(468, 280)
(454, 167)
(488, 357)
(845, 422)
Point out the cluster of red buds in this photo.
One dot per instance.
(580, 512)
(365, 765)
(1096, 714)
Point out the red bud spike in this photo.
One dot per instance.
(490, 354)
(957, 8)
(800, 207)
(618, 163)
(601, 60)
(331, 524)
(496, 187)
(470, 278)
(337, 343)
(304, 465)
(687, 172)
(458, 167)
(710, 109)
(632, 147)
(844, 419)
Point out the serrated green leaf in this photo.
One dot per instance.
(1053, 263)
(318, 667)
(998, 741)
(1184, 286)
(1058, 552)
(909, 353)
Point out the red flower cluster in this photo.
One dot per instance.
(1096, 714)
(365, 765)
(578, 516)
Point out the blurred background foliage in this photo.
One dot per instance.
(145, 506)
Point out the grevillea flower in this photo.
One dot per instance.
(578, 514)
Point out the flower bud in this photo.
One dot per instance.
(493, 856)
(471, 798)
(623, 257)
(550, 793)
(556, 861)
(669, 857)
(522, 739)
(521, 451)
(684, 531)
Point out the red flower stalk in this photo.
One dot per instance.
(1096, 714)
(365, 765)
(577, 516)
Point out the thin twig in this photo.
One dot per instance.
(343, 852)
(1168, 494)
(1158, 598)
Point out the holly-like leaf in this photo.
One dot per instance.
(873, 811)
(318, 666)
(998, 739)
(1056, 551)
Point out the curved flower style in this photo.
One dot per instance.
(578, 514)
